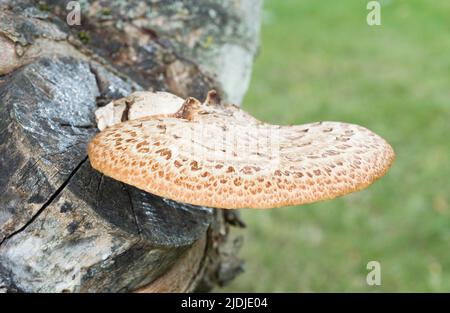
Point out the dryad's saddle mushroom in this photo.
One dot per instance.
(217, 155)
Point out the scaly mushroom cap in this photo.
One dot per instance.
(219, 156)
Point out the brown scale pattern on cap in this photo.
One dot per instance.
(189, 157)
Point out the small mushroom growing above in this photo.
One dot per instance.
(217, 155)
(138, 104)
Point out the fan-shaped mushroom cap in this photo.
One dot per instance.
(219, 156)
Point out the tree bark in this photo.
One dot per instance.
(65, 227)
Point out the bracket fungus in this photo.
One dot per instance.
(217, 155)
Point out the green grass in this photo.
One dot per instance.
(319, 60)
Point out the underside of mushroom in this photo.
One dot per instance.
(217, 155)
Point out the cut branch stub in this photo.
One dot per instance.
(219, 156)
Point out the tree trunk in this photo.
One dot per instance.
(65, 227)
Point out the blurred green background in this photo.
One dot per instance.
(320, 60)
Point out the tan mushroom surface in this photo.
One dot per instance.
(219, 156)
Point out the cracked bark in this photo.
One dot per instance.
(63, 226)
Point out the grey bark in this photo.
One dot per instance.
(65, 227)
